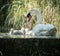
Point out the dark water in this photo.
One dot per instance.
(30, 46)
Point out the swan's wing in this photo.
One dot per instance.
(18, 33)
(42, 29)
(52, 32)
(37, 28)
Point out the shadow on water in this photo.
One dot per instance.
(27, 45)
(1, 54)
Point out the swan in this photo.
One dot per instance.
(19, 32)
(41, 29)
(16, 32)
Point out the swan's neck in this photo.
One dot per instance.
(39, 16)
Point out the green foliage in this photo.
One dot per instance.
(15, 14)
(50, 10)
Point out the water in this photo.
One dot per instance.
(6, 35)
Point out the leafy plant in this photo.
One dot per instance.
(50, 10)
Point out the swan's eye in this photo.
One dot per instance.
(28, 17)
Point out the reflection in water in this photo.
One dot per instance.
(1, 54)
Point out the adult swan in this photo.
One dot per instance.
(41, 29)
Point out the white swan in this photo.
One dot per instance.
(19, 32)
(16, 32)
(41, 29)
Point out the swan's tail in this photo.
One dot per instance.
(52, 32)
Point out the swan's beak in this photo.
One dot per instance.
(29, 18)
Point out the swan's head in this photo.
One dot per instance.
(29, 16)
(38, 14)
(11, 31)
